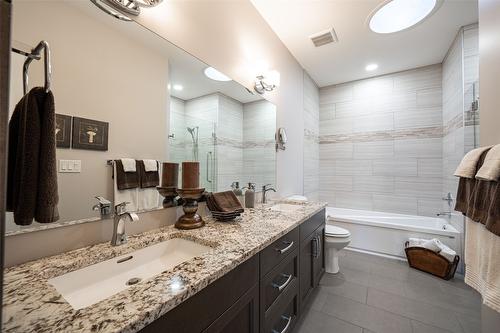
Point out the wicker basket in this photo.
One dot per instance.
(431, 262)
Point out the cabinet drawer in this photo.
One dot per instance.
(278, 250)
(313, 223)
(277, 281)
(283, 315)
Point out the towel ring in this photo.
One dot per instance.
(35, 54)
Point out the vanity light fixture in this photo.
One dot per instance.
(215, 75)
(397, 15)
(371, 67)
(131, 7)
(267, 82)
(178, 87)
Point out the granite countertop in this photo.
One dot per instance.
(30, 304)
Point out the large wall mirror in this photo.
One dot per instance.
(152, 99)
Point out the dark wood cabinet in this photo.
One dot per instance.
(311, 255)
(263, 294)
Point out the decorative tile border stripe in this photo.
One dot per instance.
(410, 133)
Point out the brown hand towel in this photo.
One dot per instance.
(466, 187)
(148, 178)
(32, 174)
(227, 201)
(126, 180)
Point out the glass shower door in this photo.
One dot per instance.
(193, 139)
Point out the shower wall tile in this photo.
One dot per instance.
(380, 142)
(395, 204)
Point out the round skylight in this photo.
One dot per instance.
(214, 74)
(397, 15)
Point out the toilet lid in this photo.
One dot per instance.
(336, 231)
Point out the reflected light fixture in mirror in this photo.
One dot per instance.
(398, 15)
(371, 67)
(267, 82)
(178, 87)
(131, 7)
(215, 75)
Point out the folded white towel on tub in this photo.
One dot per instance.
(128, 164)
(448, 253)
(415, 241)
(433, 245)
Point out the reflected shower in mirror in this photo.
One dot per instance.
(122, 91)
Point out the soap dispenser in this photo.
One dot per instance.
(250, 196)
(235, 186)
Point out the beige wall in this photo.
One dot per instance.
(101, 74)
(489, 71)
(232, 36)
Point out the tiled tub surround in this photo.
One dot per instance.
(31, 304)
(311, 138)
(381, 143)
(244, 135)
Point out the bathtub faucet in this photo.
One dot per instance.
(444, 214)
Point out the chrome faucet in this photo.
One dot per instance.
(119, 236)
(103, 206)
(449, 199)
(265, 189)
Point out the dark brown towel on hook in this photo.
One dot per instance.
(466, 188)
(126, 180)
(32, 170)
(226, 201)
(148, 178)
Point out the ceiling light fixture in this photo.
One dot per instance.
(178, 87)
(267, 82)
(371, 67)
(214, 74)
(398, 15)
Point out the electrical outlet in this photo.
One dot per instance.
(70, 166)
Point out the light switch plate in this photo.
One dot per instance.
(70, 166)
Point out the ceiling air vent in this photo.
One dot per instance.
(324, 37)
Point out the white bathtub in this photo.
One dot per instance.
(386, 233)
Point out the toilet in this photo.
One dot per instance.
(336, 239)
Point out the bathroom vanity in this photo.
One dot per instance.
(256, 276)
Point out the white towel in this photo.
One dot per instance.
(149, 198)
(467, 167)
(150, 165)
(415, 242)
(448, 253)
(130, 195)
(128, 164)
(482, 262)
(433, 245)
(490, 170)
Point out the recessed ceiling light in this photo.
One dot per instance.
(397, 15)
(178, 87)
(371, 67)
(214, 74)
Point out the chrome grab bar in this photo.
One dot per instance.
(287, 326)
(286, 248)
(209, 158)
(282, 286)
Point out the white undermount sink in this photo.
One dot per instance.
(97, 282)
(283, 207)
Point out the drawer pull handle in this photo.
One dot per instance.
(282, 286)
(287, 326)
(286, 248)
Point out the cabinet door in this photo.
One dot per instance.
(306, 284)
(318, 255)
(241, 317)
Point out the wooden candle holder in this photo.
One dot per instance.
(190, 219)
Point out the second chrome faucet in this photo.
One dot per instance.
(266, 189)
(121, 215)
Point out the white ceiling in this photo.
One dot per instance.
(424, 44)
(185, 69)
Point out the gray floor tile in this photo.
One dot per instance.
(423, 312)
(469, 324)
(317, 299)
(386, 284)
(317, 322)
(334, 285)
(372, 318)
(419, 327)
(354, 276)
